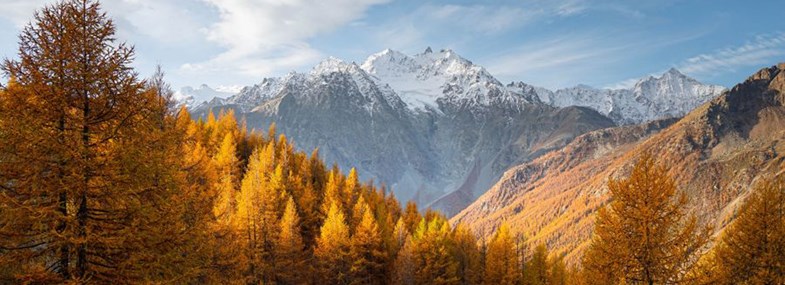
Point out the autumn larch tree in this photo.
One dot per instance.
(332, 248)
(367, 252)
(645, 234)
(432, 252)
(536, 271)
(258, 212)
(501, 260)
(470, 266)
(289, 249)
(86, 185)
(752, 249)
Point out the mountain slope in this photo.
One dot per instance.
(715, 153)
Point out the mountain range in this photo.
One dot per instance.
(715, 154)
(436, 127)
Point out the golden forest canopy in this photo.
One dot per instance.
(103, 180)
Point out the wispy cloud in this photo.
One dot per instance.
(479, 18)
(760, 50)
(557, 61)
(132, 16)
(264, 36)
(570, 59)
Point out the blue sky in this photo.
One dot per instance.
(550, 43)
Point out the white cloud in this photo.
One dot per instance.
(169, 22)
(264, 36)
(761, 50)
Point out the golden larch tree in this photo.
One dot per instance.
(289, 249)
(88, 181)
(536, 271)
(367, 252)
(432, 253)
(752, 249)
(645, 234)
(332, 248)
(501, 260)
(470, 267)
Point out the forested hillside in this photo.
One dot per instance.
(104, 181)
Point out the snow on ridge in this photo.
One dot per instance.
(192, 97)
(426, 81)
(671, 94)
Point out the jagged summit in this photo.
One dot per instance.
(418, 123)
(423, 80)
(671, 94)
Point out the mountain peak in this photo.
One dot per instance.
(333, 64)
(673, 71)
(428, 50)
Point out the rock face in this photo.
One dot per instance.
(671, 95)
(434, 126)
(715, 153)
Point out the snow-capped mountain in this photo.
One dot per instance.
(193, 97)
(438, 128)
(671, 95)
(433, 126)
(424, 79)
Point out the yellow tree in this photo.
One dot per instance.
(289, 249)
(432, 253)
(87, 185)
(501, 260)
(257, 215)
(557, 271)
(645, 234)
(411, 216)
(367, 252)
(536, 270)
(470, 268)
(404, 267)
(350, 194)
(752, 249)
(332, 248)
(332, 192)
(226, 165)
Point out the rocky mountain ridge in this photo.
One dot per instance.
(434, 126)
(715, 153)
(427, 125)
(672, 94)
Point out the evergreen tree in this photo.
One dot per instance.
(752, 249)
(644, 235)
